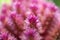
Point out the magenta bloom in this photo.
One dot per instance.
(30, 20)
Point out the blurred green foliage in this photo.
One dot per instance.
(5, 1)
(57, 2)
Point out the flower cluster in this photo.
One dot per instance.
(29, 20)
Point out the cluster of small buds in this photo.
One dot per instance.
(29, 20)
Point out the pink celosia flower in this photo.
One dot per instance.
(29, 20)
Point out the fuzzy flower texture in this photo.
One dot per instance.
(30, 20)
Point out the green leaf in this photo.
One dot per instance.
(57, 2)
